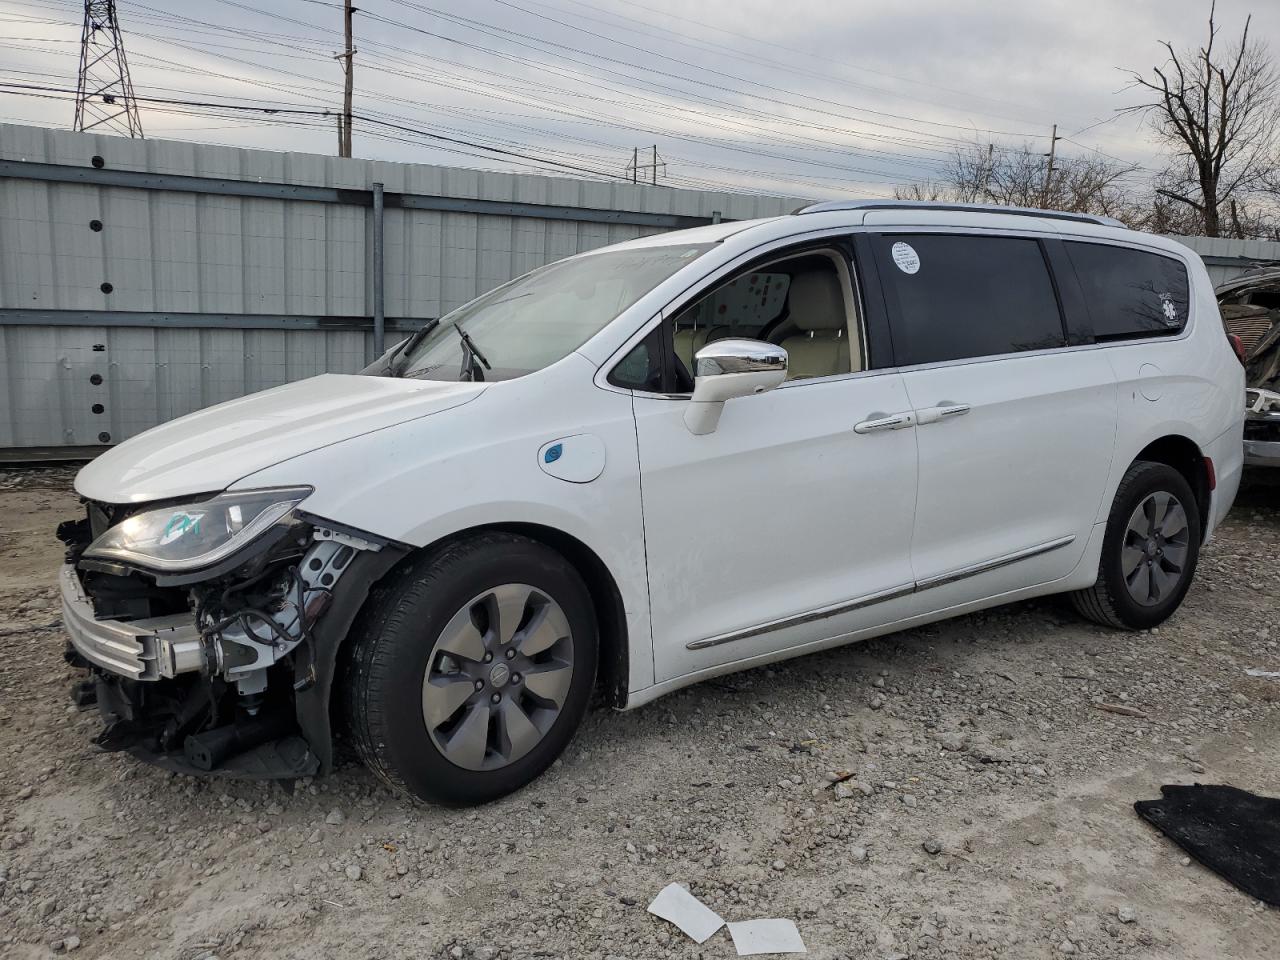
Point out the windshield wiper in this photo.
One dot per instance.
(470, 355)
(408, 343)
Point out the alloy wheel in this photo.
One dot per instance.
(498, 677)
(1153, 557)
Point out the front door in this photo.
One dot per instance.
(781, 513)
(784, 526)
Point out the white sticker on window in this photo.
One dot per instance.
(1170, 309)
(905, 256)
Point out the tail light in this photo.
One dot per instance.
(1238, 346)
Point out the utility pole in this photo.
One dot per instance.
(1048, 173)
(344, 122)
(104, 92)
(635, 166)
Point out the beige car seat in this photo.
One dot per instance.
(821, 348)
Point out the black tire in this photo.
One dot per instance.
(394, 644)
(1109, 601)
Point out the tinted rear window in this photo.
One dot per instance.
(1130, 293)
(955, 297)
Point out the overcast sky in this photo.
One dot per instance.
(805, 98)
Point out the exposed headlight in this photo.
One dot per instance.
(194, 535)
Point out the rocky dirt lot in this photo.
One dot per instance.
(989, 813)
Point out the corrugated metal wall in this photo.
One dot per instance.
(213, 296)
(130, 295)
(1226, 258)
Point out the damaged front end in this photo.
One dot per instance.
(210, 627)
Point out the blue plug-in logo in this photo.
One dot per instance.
(553, 453)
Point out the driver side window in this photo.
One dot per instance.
(801, 302)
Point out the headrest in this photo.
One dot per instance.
(816, 301)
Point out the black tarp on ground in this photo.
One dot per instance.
(1234, 833)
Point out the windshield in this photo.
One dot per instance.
(538, 318)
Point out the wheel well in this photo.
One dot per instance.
(614, 661)
(1184, 456)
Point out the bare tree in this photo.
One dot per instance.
(1020, 178)
(1219, 110)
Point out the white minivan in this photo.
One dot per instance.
(651, 464)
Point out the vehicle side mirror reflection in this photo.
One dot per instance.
(727, 369)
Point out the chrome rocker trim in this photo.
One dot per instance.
(893, 593)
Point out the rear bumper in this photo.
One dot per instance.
(138, 649)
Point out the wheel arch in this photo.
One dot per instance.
(1184, 455)
(315, 706)
(606, 597)
(614, 660)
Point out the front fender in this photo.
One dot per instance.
(481, 465)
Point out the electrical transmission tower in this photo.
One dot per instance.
(104, 92)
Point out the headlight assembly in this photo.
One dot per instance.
(193, 535)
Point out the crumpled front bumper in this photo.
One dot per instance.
(137, 649)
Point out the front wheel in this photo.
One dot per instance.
(472, 668)
(1149, 551)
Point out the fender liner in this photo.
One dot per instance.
(312, 705)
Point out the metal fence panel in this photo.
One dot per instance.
(1226, 257)
(211, 292)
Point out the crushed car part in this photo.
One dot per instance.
(1250, 306)
(207, 670)
(1262, 427)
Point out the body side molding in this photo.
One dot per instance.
(883, 596)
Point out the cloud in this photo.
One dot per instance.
(809, 98)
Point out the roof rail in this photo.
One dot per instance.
(955, 208)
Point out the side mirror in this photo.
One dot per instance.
(727, 369)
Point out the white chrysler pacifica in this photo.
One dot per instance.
(651, 464)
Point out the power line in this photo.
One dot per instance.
(534, 93)
(719, 73)
(295, 111)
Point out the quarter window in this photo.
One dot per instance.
(953, 297)
(1130, 293)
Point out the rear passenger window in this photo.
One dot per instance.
(955, 297)
(1130, 293)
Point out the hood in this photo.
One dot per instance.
(207, 451)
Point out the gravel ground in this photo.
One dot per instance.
(988, 815)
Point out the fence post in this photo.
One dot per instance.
(379, 318)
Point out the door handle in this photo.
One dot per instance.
(943, 411)
(885, 421)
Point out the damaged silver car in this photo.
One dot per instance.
(1250, 305)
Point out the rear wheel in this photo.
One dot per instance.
(1149, 552)
(472, 669)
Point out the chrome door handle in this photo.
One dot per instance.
(885, 421)
(943, 411)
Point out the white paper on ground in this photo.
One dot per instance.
(1269, 674)
(677, 905)
(766, 936)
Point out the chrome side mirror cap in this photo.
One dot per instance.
(727, 369)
